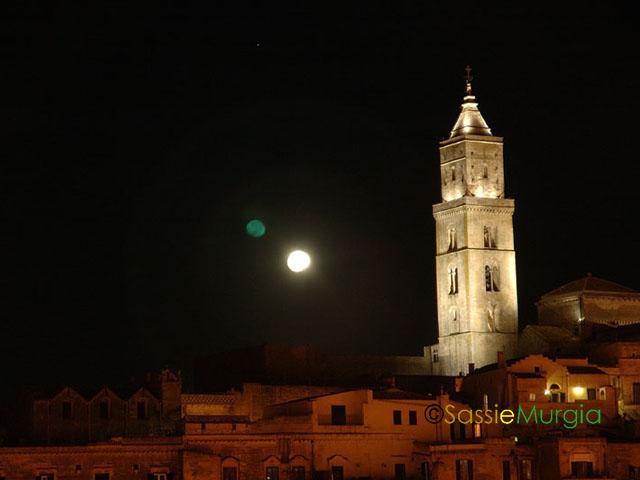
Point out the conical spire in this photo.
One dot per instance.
(470, 121)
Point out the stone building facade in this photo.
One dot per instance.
(74, 416)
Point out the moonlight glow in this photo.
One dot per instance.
(297, 261)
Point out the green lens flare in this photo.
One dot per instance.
(255, 228)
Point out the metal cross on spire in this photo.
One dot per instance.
(469, 78)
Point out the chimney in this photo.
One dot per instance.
(472, 367)
(501, 362)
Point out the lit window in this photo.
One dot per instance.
(477, 430)
(532, 397)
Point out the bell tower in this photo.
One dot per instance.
(475, 255)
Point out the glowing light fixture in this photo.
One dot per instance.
(547, 391)
(298, 261)
(578, 391)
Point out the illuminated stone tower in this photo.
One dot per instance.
(475, 256)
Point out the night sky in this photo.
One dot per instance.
(138, 142)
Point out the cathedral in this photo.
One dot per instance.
(475, 254)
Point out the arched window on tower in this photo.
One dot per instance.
(453, 280)
(487, 278)
(495, 278)
(452, 240)
(489, 235)
(491, 280)
(491, 317)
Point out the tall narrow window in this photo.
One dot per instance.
(141, 410)
(453, 280)
(453, 174)
(487, 278)
(506, 470)
(413, 417)
(636, 392)
(452, 240)
(426, 471)
(491, 279)
(526, 469)
(337, 473)
(464, 469)
(489, 236)
(491, 317)
(435, 356)
(66, 410)
(485, 171)
(397, 417)
(272, 473)
(400, 471)
(297, 473)
(229, 473)
(104, 409)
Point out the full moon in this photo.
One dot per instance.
(297, 261)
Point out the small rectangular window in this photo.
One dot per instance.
(506, 470)
(338, 415)
(413, 417)
(582, 469)
(532, 397)
(272, 473)
(400, 471)
(101, 476)
(297, 473)
(142, 410)
(477, 430)
(337, 473)
(591, 393)
(397, 417)
(159, 476)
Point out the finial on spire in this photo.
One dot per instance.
(469, 78)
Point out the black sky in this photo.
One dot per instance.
(138, 141)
